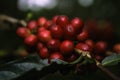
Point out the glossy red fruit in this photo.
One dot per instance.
(116, 48)
(90, 43)
(82, 35)
(53, 44)
(47, 24)
(40, 29)
(23, 32)
(69, 32)
(66, 47)
(30, 40)
(56, 55)
(100, 47)
(44, 53)
(32, 25)
(83, 47)
(56, 31)
(98, 57)
(41, 21)
(44, 36)
(54, 19)
(77, 23)
(71, 58)
(62, 21)
(40, 45)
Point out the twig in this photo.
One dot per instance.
(105, 70)
(12, 20)
(98, 64)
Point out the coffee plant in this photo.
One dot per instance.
(63, 46)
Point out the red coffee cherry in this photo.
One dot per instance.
(77, 23)
(41, 21)
(66, 47)
(71, 58)
(47, 24)
(90, 43)
(54, 19)
(44, 36)
(30, 40)
(82, 35)
(40, 45)
(98, 57)
(53, 44)
(56, 55)
(116, 48)
(56, 31)
(100, 47)
(83, 47)
(23, 32)
(44, 53)
(62, 21)
(69, 32)
(40, 29)
(32, 25)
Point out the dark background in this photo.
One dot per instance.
(100, 9)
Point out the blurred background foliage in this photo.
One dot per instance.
(99, 9)
(86, 9)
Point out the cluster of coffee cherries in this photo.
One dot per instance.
(57, 38)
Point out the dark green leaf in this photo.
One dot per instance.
(111, 60)
(27, 66)
(17, 68)
(58, 61)
(32, 66)
(7, 75)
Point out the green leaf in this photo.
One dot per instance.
(58, 61)
(31, 66)
(19, 67)
(6, 75)
(111, 60)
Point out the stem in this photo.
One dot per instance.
(12, 20)
(76, 61)
(99, 65)
(79, 64)
(105, 70)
